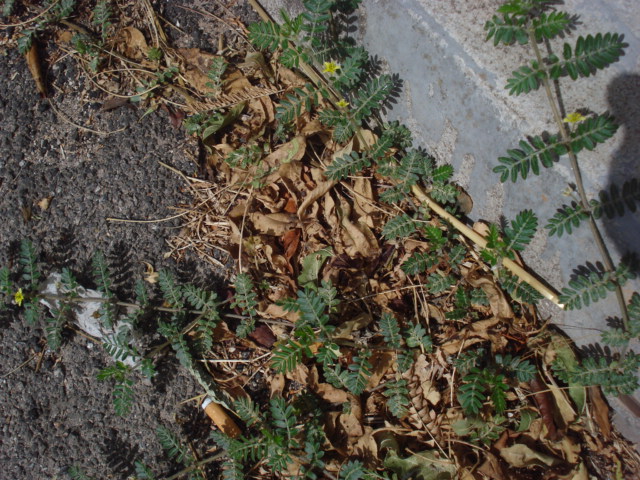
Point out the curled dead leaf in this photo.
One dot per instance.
(276, 224)
(44, 203)
(287, 152)
(500, 306)
(131, 42)
(521, 456)
(33, 62)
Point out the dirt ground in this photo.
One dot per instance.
(54, 411)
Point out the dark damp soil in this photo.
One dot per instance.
(55, 413)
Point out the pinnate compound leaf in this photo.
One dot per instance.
(397, 394)
(591, 53)
(372, 96)
(401, 226)
(438, 283)
(268, 35)
(419, 262)
(287, 356)
(525, 79)
(358, 373)
(248, 411)
(246, 300)
(346, 165)
(529, 157)
(352, 470)
(507, 29)
(390, 330)
(416, 336)
(521, 231)
(293, 105)
(172, 444)
(471, 393)
(28, 261)
(549, 25)
(594, 130)
(170, 289)
(566, 219)
(586, 289)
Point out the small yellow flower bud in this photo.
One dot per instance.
(574, 117)
(330, 67)
(19, 297)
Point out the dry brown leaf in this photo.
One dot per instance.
(276, 311)
(275, 224)
(546, 405)
(255, 61)
(276, 384)
(33, 62)
(600, 411)
(111, 103)
(364, 203)
(287, 152)
(456, 345)
(235, 83)
(521, 456)
(291, 242)
(300, 374)
(579, 473)
(570, 449)
(345, 329)
(357, 237)
(222, 332)
(365, 139)
(196, 65)
(565, 408)
(131, 42)
(500, 306)
(381, 362)
(318, 192)
(65, 36)
(491, 467)
(326, 391)
(290, 78)
(313, 127)
(322, 185)
(44, 203)
(366, 448)
(263, 336)
(150, 275)
(464, 201)
(351, 424)
(482, 228)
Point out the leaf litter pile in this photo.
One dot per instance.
(376, 347)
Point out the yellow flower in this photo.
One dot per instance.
(343, 103)
(19, 297)
(330, 67)
(574, 117)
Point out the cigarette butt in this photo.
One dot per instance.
(222, 420)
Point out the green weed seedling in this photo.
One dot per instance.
(191, 309)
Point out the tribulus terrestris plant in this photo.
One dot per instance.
(537, 25)
(182, 308)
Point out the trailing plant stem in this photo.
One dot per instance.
(480, 241)
(577, 174)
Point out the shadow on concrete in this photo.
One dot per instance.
(623, 96)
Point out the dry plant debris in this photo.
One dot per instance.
(263, 208)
